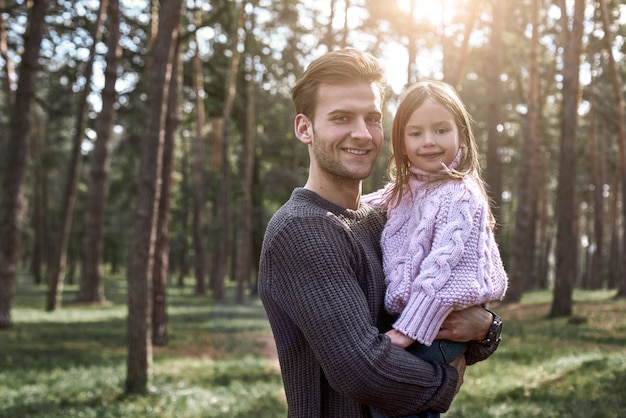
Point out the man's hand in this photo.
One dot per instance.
(469, 324)
(459, 364)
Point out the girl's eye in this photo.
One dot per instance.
(442, 130)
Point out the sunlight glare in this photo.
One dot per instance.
(439, 13)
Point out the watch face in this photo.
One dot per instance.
(498, 331)
(496, 328)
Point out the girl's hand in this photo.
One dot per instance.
(399, 339)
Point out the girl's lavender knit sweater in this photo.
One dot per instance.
(439, 254)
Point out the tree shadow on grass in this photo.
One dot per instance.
(50, 345)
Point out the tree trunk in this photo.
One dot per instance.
(243, 266)
(597, 174)
(522, 248)
(9, 71)
(411, 70)
(12, 180)
(9, 87)
(39, 203)
(161, 262)
(454, 74)
(620, 119)
(224, 229)
(346, 21)
(567, 225)
(329, 36)
(90, 285)
(139, 360)
(183, 218)
(197, 174)
(56, 270)
(615, 253)
(493, 175)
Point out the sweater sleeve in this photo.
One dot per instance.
(455, 274)
(314, 282)
(378, 198)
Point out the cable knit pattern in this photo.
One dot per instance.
(439, 255)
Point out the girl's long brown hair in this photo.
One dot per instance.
(444, 95)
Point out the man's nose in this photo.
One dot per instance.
(361, 130)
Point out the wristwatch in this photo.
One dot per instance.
(495, 330)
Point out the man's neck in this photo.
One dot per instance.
(346, 193)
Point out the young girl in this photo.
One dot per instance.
(439, 251)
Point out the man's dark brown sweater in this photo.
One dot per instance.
(322, 285)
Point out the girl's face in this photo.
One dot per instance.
(431, 137)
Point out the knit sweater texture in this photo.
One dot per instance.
(439, 254)
(322, 285)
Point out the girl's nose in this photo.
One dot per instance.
(428, 138)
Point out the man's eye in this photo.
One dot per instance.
(374, 119)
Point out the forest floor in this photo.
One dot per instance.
(220, 360)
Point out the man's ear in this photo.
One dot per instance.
(303, 128)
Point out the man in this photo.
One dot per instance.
(321, 279)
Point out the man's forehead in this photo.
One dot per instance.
(350, 95)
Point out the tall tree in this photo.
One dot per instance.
(57, 265)
(9, 70)
(329, 36)
(140, 271)
(16, 156)
(198, 166)
(567, 226)
(453, 75)
(597, 154)
(346, 26)
(523, 240)
(243, 267)
(224, 227)
(182, 245)
(161, 259)
(493, 176)
(620, 119)
(616, 254)
(412, 47)
(90, 285)
(39, 199)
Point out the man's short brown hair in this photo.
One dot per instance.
(342, 66)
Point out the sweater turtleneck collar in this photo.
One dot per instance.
(423, 176)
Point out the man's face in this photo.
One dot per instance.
(346, 133)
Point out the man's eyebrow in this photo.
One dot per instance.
(335, 112)
(340, 111)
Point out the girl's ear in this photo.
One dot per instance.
(303, 128)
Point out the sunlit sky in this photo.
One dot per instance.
(395, 56)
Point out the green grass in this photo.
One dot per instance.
(72, 362)
(551, 367)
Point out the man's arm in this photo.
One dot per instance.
(318, 291)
